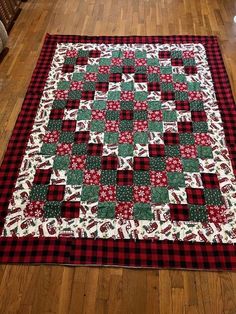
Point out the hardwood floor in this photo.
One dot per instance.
(58, 289)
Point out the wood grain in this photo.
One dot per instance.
(58, 289)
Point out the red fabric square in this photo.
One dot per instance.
(128, 69)
(68, 68)
(158, 178)
(70, 210)
(171, 138)
(102, 86)
(56, 114)
(188, 151)
(156, 150)
(141, 163)
(94, 53)
(82, 61)
(64, 149)
(153, 87)
(87, 95)
(124, 210)
(185, 127)
(182, 105)
(51, 137)
(167, 96)
(164, 54)
(126, 115)
(124, 177)
(179, 212)
(68, 125)
(98, 114)
(139, 77)
(202, 139)
(109, 162)
(91, 177)
(198, 116)
(142, 194)
(181, 87)
(195, 196)
(176, 62)
(190, 70)
(81, 137)
(77, 162)
(126, 137)
(95, 149)
(155, 115)
(104, 69)
(210, 180)
(113, 105)
(72, 104)
(112, 126)
(140, 125)
(173, 164)
(42, 176)
(115, 77)
(55, 192)
(217, 214)
(107, 193)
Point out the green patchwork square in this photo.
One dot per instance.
(176, 54)
(117, 54)
(59, 104)
(84, 114)
(127, 86)
(186, 139)
(74, 177)
(153, 77)
(166, 87)
(112, 114)
(111, 137)
(169, 115)
(70, 60)
(189, 62)
(181, 95)
(79, 149)
(140, 115)
(194, 86)
(126, 125)
(113, 95)
(99, 105)
(157, 163)
(90, 193)
(83, 53)
(124, 193)
(140, 137)
(213, 197)
(180, 78)
(88, 86)
(141, 69)
(92, 68)
(108, 177)
(97, 126)
(103, 77)
(104, 61)
(128, 62)
(176, 180)
(54, 125)
(61, 162)
(190, 164)
(116, 69)
(166, 70)
(152, 61)
(140, 54)
(125, 150)
(126, 105)
(64, 85)
(67, 137)
(172, 150)
(141, 178)
(38, 192)
(106, 210)
(48, 149)
(78, 76)
(154, 126)
(74, 94)
(196, 105)
(140, 96)
(160, 195)
(93, 162)
(198, 213)
(200, 127)
(52, 209)
(204, 152)
(154, 105)
(142, 211)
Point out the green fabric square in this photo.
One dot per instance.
(190, 164)
(74, 94)
(84, 114)
(124, 193)
(92, 68)
(181, 78)
(67, 137)
(189, 62)
(108, 177)
(169, 115)
(64, 85)
(113, 95)
(127, 86)
(104, 61)
(111, 137)
(194, 86)
(140, 54)
(166, 87)
(153, 77)
(74, 177)
(106, 210)
(103, 77)
(142, 211)
(157, 163)
(117, 54)
(141, 178)
(52, 209)
(198, 213)
(213, 197)
(152, 61)
(116, 69)
(140, 96)
(154, 105)
(140, 137)
(200, 127)
(59, 104)
(140, 115)
(196, 105)
(93, 162)
(99, 105)
(88, 86)
(126, 105)
(83, 53)
(181, 95)
(79, 149)
(125, 150)
(78, 76)
(38, 192)
(176, 179)
(172, 150)
(97, 126)
(112, 114)
(90, 193)
(61, 162)
(141, 69)
(160, 195)
(128, 62)
(166, 70)
(126, 125)
(154, 126)
(48, 149)
(54, 125)
(70, 60)
(176, 54)
(186, 139)
(204, 152)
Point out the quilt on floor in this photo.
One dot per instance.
(128, 157)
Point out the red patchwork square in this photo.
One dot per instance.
(202, 139)
(107, 193)
(98, 114)
(115, 77)
(124, 177)
(51, 137)
(156, 150)
(142, 194)
(179, 212)
(176, 62)
(188, 151)
(173, 164)
(164, 54)
(167, 96)
(181, 87)
(190, 70)
(109, 162)
(210, 180)
(141, 163)
(127, 95)
(104, 69)
(139, 77)
(56, 114)
(126, 115)
(112, 126)
(113, 105)
(68, 68)
(155, 115)
(55, 192)
(72, 104)
(140, 125)
(128, 69)
(90, 77)
(81, 137)
(68, 125)
(126, 137)
(158, 178)
(102, 86)
(199, 116)
(70, 210)
(77, 162)
(95, 149)
(124, 210)
(77, 85)
(87, 95)
(153, 87)
(82, 61)
(64, 149)
(42, 176)
(94, 53)
(182, 105)
(171, 138)
(217, 214)
(91, 177)
(185, 127)
(195, 196)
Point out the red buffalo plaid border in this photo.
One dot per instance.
(140, 253)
